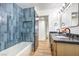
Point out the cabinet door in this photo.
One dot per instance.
(64, 49)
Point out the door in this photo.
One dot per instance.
(42, 33)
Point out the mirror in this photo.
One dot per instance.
(74, 19)
(70, 15)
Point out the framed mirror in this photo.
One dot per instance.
(70, 15)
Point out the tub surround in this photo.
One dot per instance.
(17, 25)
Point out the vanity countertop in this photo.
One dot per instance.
(63, 40)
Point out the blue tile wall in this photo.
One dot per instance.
(11, 25)
(16, 25)
(29, 15)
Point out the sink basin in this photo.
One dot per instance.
(61, 37)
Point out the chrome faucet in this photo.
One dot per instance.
(68, 30)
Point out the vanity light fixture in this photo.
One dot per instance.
(65, 6)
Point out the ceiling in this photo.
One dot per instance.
(41, 6)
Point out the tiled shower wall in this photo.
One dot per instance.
(29, 19)
(16, 25)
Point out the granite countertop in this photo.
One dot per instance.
(64, 40)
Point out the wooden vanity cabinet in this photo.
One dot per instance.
(65, 49)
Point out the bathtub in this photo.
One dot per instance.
(20, 49)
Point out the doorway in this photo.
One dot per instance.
(42, 35)
(43, 41)
(43, 28)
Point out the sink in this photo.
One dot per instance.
(61, 37)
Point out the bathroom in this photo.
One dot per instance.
(39, 29)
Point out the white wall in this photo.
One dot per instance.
(53, 17)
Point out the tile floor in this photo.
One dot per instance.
(43, 49)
